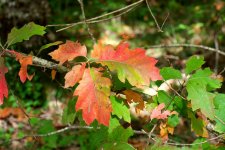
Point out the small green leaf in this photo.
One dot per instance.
(24, 33)
(196, 123)
(194, 63)
(119, 109)
(49, 45)
(69, 112)
(117, 132)
(173, 120)
(201, 99)
(170, 73)
(203, 77)
(163, 97)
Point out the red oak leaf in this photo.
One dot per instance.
(73, 76)
(3, 84)
(158, 114)
(68, 51)
(93, 97)
(24, 62)
(133, 65)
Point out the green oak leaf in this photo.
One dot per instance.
(194, 63)
(170, 73)
(119, 109)
(163, 97)
(197, 124)
(173, 120)
(24, 33)
(199, 86)
(117, 132)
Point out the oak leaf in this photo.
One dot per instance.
(133, 65)
(73, 76)
(24, 62)
(93, 97)
(158, 114)
(135, 97)
(68, 51)
(3, 83)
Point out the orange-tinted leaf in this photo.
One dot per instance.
(132, 96)
(158, 114)
(73, 76)
(133, 65)
(68, 51)
(3, 84)
(53, 74)
(165, 130)
(93, 97)
(24, 62)
(17, 112)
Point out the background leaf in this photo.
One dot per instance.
(194, 63)
(69, 112)
(170, 73)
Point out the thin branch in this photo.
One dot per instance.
(222, 71)
(217, 54)
(190, 46)
(174, 90)
(89, 127)
(101, 16)
(97, 21)
(168, 14)
(220, 120)
(156, 22)
(41, 62)
(84, 17)
(150, 134)
(23, 110)
(186, 144)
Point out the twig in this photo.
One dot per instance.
(168, 14)
(189, 45)
(89, 127)
(174, 90)
(101, 16)
(156, 22)
(222, 71)
(217, 54)
(220, 120)
(97, 21)
(150, 134)
(186, 144)
(24, 112)
(84, 17)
